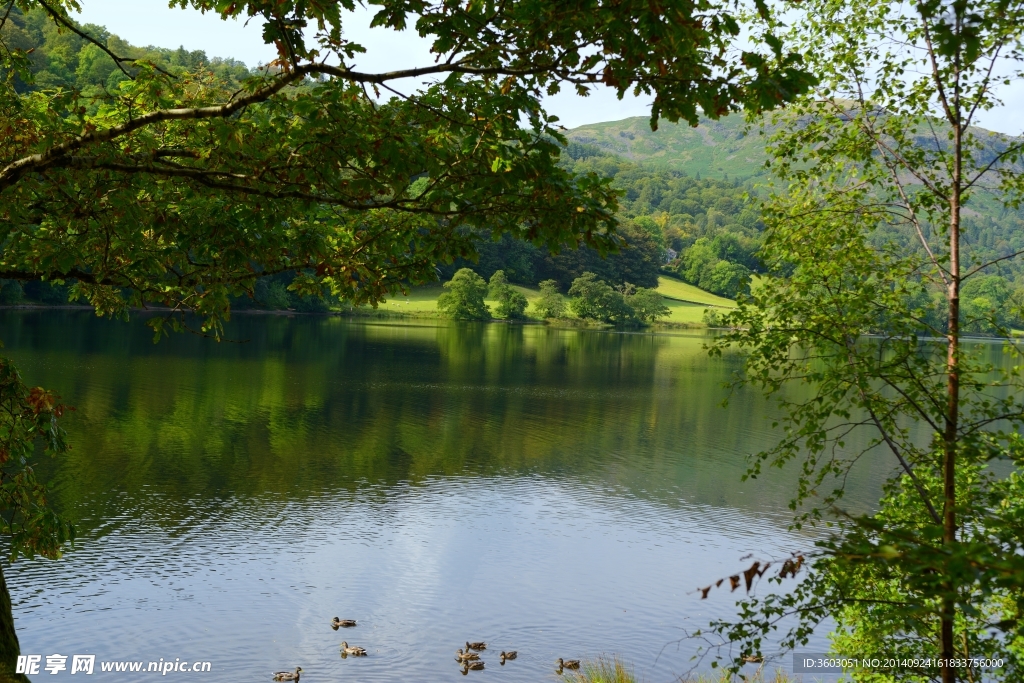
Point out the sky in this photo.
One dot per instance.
(152, 22)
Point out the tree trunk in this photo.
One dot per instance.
(950, 435)
(9, 647)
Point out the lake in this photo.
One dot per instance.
(554, 491)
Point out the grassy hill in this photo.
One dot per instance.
(677, 290)
(728, 147)
(714, 149)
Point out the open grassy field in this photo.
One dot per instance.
(686, 303)
(677, 289)
(423, 300)
(682, 312)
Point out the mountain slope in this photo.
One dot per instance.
(715, 149)
(728, 148)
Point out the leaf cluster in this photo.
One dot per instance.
(28, 416)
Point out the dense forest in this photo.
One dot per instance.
(705, 231)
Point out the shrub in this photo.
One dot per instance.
(712, 318)
(463, 298)
(603, 671)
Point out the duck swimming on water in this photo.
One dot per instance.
(288, 675)
(353, 650)
(342, 623)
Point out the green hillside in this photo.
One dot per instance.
(678, 290)
(714, 149)
(726, 148)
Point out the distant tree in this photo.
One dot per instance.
(511, 302)
(497, 281)
(45, 292)
(647, 304)
(983, 300)
(551, 304)
(701, 256)
(726, 278)
(720, 265)
(649, 226)
(463, 298)
(594, 299)
(712, 318)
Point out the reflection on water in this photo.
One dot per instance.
(557, 492)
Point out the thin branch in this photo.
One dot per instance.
(983, 266)
(914, 220)
(899, 456)
(988, 167)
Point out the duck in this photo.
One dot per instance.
(476, 646)
(507, 655)
(353, 650)
(288, 675)
(568, 664)
(465, 656)
(475, 665)
(342, 623)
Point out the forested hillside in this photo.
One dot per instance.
(706, 231)
(728, 150)
(723, 149)
(63, 59)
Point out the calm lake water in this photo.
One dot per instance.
(557, 492)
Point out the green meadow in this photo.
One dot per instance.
(685, 302)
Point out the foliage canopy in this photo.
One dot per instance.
(511, 302)
(463, 298)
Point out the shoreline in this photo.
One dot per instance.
(562, 323)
